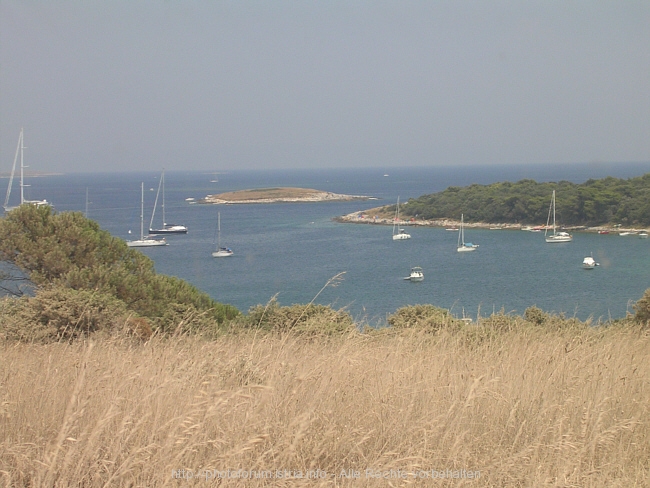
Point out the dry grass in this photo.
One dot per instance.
(525, 407)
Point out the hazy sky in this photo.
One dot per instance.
(212, 85)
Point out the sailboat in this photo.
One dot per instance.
(20, 149)
(398, 233)
(220, 252)
(462, 245)
(166, 228)
(556, 236)
(144, 241)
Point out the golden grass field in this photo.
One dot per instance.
(527, 407)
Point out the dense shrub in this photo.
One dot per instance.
(310, 319)
(57, 313)
(70, 251)
(502, 321)
(535, 315)
(426, 317)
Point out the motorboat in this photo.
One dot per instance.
(416, 274)
(589, 263)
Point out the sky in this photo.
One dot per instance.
(120, 85)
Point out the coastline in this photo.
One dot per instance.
(374, 217)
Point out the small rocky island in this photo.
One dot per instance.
(279, 195)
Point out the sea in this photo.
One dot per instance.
(296, 252)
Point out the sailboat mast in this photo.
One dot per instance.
(22, 166)
(461, 234)
(162, 177)
(553, 212)
(218, 230)
(13, 170)
(396, 216)
(142, 211)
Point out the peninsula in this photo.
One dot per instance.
(608, 204)
(278, 195)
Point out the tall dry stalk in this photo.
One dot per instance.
(333, 282)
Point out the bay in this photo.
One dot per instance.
(291, 251)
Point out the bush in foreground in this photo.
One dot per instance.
(426, 317)
(67, 250)
(304, 319)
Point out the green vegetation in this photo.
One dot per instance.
(69, 279)
(303, 319)
(76, 270)
(595, 202)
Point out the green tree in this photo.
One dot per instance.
(67, 250)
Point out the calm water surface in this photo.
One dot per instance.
(292, 250)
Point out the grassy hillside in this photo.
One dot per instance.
(522, 407)
(104, 383)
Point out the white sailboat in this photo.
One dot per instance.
(166, 228)
(220, 252)
(144, 241)
(462, 245)
(556, 236)
(20, 150)
(398, 233)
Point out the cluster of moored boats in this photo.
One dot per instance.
(555, 237)
(153, 239)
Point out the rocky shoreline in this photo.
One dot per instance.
(373, 218)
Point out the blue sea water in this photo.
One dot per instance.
(291, 251)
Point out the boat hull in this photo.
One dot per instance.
(415, 278)
(146, 243)
(556, 238)
(466, 249)
(222, 253)
(416, 274)
(177, 229)
(401, 237)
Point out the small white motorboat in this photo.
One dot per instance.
(589, 263)
(416, 274)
